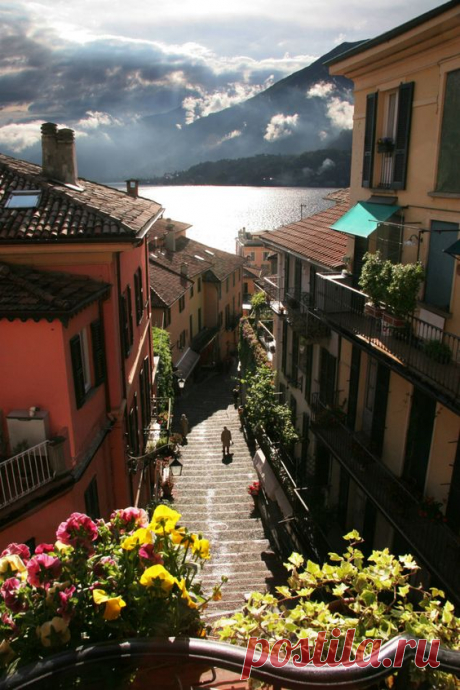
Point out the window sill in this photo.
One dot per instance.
(435, 310)
(445, 195)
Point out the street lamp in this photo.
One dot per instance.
(176, 467)
(181, 383)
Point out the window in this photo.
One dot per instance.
(182, 339)
(396, 129)
(167, 315)
(286, 273)
(191, 326)
(80, 366)
(266, 255)
(181, 303)
(449, 152)
(25, 198)
(234, 278)
(191, 292)
(139, 295)
(220, 320)
(133, 428)
(199, 319)
(199, 284)
(440, 266)
(251, 256)
(219, 291)
(126, 316)
(227, 284)
(328, 365)
(92, 500)
(227, 316)
(98, 347)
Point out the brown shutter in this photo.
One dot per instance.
(77, 369)
(97, 340)
(369, 139)
(124, 325)
(406, 95)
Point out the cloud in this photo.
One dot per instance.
(340, 113)
(230, 135)
(19, 136)
(207, 103)
(281, 126)
(320, 90)
(327, 164)
(96, 119)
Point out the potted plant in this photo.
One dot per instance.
(401, 297)
(437, 350)
(374, 281)
(124, 578)
(254, 489)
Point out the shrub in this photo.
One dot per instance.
(437, 350)
(162, 347)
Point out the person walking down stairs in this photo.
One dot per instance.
(226, 438)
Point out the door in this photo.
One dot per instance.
(327, 378)
(369, 400)
(361, 245)
(199, 319)
(353, 387)
(418, 442)
(440, 268)
(298, 279)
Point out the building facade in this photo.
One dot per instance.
(75, 341)
(383, 399)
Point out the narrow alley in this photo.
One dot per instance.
(213, 499)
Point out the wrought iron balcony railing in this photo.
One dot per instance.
(26, 472)
(179, 664)
(432, 541)
(411, 347)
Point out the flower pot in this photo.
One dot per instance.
(372, 310)
(390, 322)
(385, 147)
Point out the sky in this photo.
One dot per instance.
(99, 66)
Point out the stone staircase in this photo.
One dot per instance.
(212, 497)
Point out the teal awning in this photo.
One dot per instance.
(454, 249)
(362, 219)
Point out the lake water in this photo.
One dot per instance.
(217, 213)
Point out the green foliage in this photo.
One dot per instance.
(439, 351)
(258, 302)
(396, 285)
(162, 348)
(250, 350)
(374, 596)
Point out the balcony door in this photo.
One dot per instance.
(298, 279)
(418, 441)
(375, 404)
(440, 268)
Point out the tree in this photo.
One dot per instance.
(162, 348)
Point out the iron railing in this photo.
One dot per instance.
(162, 662)
(274, 294)
(431, 540)
(25, 472)
(409, 346)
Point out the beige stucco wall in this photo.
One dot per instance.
(443, 448)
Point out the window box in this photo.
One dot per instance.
(385, 145)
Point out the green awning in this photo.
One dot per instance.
(453, 249)
(362, 219)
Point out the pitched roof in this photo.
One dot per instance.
(65, 213)
(29, 293)
(166, 286)
(312, 237)
(161, 226)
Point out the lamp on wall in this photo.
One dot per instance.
(181, 383)
(176, 467)
(412, 241)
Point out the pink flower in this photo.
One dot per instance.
(102, 567)
(42, 570)
(129, 519)
(8, 620)
(148, 553)
(44, 548)
(77, 530)
(65, 597)
(20, 549)
(10, 593)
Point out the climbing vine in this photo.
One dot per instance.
(162, 348)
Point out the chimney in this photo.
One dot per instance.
(132, 188)
(170, 237)
(59, 155)
(184, 269)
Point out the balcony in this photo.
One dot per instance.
(432, 541)
(274, 294)
(302, 317)
(407, 349)
(26, 472)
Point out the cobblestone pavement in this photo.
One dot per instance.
(212, 496)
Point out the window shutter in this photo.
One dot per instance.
(141, 294)
(124, 325)
(130, 315)
(369, 139)
(138, 295)
(97, 339)
(77, 369)
(406, 94)
(142, 394)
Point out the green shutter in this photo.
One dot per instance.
(369, 139)
(97, 340)
(406, 95)
(124, 325)
(77, 369)
(130, 315)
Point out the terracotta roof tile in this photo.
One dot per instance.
(27, 292)
(166, 286)
(65, 213)
(312, 237)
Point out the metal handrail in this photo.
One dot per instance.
(221, 655)
(24, 473)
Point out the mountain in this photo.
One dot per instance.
(322, 168)
(307, 110)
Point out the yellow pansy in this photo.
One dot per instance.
(157, 574)
(140, 536)
(64, 548)
(113, 605)
(12, 563)
(201, 548)
(217, 595)
(185, 595)
(55, 631)
(180, 536)
(164, 520)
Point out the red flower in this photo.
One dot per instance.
(20, 549)
(129, 519)
(65, 597)
(10, 593)
(42, 570)
(148, 553)
(77, 530)
(43, 548)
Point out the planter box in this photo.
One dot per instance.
(372, 310)
(390, 323)
(385, 147)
